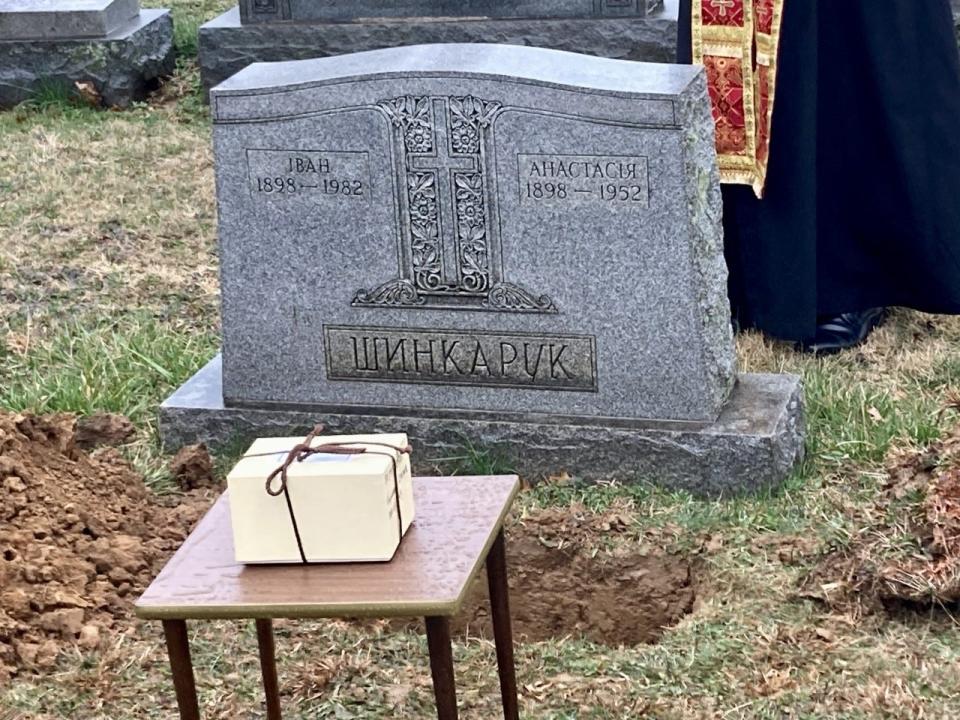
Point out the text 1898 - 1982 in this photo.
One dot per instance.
(320, 174)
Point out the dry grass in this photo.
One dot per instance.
(112, 215)
(104, 213)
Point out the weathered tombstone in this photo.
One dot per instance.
(112, 44)
(274, 30)
(512, 245)
(348, 10)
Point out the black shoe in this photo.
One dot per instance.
(844, 331)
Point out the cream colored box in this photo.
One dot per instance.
(345, 506)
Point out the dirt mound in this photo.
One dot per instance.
(908, 548)
(80, 537)
(579, 573)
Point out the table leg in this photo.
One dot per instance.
(502, 631)
(178, 648)
(268, 667)
(441, 667)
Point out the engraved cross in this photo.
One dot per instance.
(445, 164)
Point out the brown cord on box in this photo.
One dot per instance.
(304, 450)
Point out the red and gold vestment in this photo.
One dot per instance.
(737, 41)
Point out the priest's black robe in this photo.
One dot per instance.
(862, 203)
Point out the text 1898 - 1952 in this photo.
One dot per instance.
(612, 180)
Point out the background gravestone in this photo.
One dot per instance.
(510, 244)
(273, 30)
(112, 44)
(347, 10)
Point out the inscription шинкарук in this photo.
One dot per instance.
(452, 357)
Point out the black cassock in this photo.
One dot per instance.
(862, 204)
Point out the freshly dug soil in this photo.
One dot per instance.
(80, 538)
(573, 572)
(907, 548)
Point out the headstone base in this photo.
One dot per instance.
(123, 65)
(755, 443)
(227, 46)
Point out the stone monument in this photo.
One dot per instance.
(515, 245)
(113, 44)
(348, 10)
(273, 30)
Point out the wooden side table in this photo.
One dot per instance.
(458, 526)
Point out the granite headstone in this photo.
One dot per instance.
(112, 44)
(275, 30)
(511, 237)
(347, 10)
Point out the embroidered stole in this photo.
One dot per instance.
(737, 41)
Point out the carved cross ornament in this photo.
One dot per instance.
(450, 254)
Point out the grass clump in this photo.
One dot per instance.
(471, 458)
(124, 366)
(52, 96)
(185, 37)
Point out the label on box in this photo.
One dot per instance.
(318, 458)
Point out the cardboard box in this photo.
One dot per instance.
(345, 505)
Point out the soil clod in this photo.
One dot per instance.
(192, 468)
(103, 429)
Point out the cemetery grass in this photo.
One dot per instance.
(109, 289)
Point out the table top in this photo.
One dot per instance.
(457, 520)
